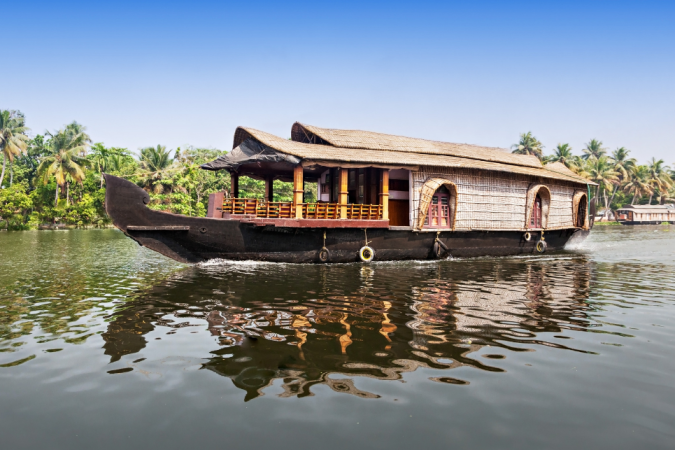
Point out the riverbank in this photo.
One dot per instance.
(60, 226)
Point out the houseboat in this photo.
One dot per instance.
(381, 197)
(645, 214)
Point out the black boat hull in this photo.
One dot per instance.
(197, 239)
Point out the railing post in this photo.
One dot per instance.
(384, 193)
(298, 191)
(234, 185)
(344, 193)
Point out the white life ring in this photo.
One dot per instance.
(527, 236)
(366, 254)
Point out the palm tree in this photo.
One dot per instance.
(623, 165)
(114, 163)
(594, 149)
(13, 139)
(528, 145)
(658, 177)
(578, 165)
(155, 161)
(563, 154)
(638, 183)
(65, 163)
(601, 171)
(99, 157)
(77, 129)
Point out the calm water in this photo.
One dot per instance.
(104, 344)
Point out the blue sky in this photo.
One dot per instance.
(176, 73)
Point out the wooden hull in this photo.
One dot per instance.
(197, 239)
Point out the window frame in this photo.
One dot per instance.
(439, 209)
(536, 218)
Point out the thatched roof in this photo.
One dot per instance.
(369, 140)
(332, 156)
(562, 169)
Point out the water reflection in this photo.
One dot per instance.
(309, 325)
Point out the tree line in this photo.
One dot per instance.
(57, 177)
(621, 180)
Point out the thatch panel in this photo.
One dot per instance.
(559, 168)
(560, 211)
(493, 201)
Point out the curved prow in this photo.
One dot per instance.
(125, 203)
(163, 232)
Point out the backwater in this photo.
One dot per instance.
(105, 344)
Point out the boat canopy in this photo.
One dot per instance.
(255, 159)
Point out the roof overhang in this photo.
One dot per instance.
(310, 155)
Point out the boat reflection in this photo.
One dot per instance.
(329, 324)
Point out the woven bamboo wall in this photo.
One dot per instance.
(494, 200)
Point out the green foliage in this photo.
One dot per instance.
(13, 139)
(66, 162)
(621, 179)
(14, 206)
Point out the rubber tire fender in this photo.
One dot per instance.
(366, 254)
(541, 246)
(527, 236)
(437, 250)
(324, 255)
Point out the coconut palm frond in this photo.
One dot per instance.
(13, 139)
(528, 145)
(593, 150)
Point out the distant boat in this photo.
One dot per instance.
(645, 214)
(381, 197)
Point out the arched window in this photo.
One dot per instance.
(439, 209)
(437, 204)
(538, 202)
(580, 210)
(581, 213)
(535, 218)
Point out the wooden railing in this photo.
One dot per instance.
(364, 212)
(286, 210)
(240, 205)
(320, 211)
(276, 210)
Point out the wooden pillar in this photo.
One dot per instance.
(298, 191)
(269, 188)
(344, 192)
(384, 193)
(234, 185)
